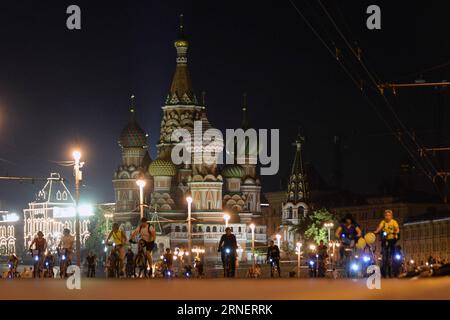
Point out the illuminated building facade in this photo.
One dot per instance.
(53, 211)
(234, 188)
(8, 233)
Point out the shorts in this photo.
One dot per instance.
(149, 245)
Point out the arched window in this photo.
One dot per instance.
(209, 200)
(239, 229)
(214, 229)
(200, 229)
(301, 211)
(58, 195)
(197, 200)
(177, 228)
(289, 213)
(208, 229)
(64, 195)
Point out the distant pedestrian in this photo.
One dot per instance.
(91, 262)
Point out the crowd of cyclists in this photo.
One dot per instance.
(356, 253)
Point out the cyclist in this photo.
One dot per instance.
(168, 259)
(130, 263)
(118, 240)
(49, 263)
(66, 244)
(148, 236)
(273, 257)
(13, 263)
(228, 246)
(348, 232)
(140, 261)
(390, 231)
(40, 245)
(322, 252)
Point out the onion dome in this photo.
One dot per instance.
(162, 167)
(233, 171)
(181, 91)
(133, 135)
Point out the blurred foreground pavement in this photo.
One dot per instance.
(216, 289)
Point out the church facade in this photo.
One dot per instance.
(232, 189)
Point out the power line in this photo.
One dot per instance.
(376, 83)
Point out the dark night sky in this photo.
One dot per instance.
(61, 88)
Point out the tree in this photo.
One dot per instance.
(97, 232)
(311, 227)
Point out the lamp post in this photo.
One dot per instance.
(278, 236)
(226, 217)
(189, 202)
(78, 177)
(141, 185)
(329, 225)
(312, 247)
(252, 227)
(107, 217)
(299, 253)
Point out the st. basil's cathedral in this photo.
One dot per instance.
(232, 189)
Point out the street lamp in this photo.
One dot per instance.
(189, 201)
(278, 236)
(299, 247)
(107, 217)
(329, 225)
(141, 185)
(226, 217)
(78, 177)
(252, 227)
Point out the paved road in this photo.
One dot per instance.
(211, 289)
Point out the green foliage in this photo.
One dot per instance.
(311, 227)
(97, 230)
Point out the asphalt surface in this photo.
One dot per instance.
(225, 289)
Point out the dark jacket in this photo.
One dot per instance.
(273, 252)
(228, 241)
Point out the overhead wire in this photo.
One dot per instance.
(372, 76)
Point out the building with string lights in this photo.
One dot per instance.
(52, 211)
(9, 227)
(233, 189)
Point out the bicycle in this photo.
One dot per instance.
(12, 271)
(64, 262)
(388, 255)
(48, 269)
(273, 267)
(227, 263)
(37, 263)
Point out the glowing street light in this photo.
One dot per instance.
(78, 177)
(226, 217)
(189, 202)
(252, 227)
(299, 247)
(141, 185)
(329, 225)
(278, 236)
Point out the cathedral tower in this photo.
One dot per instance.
(135, 161)
(297, 196)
